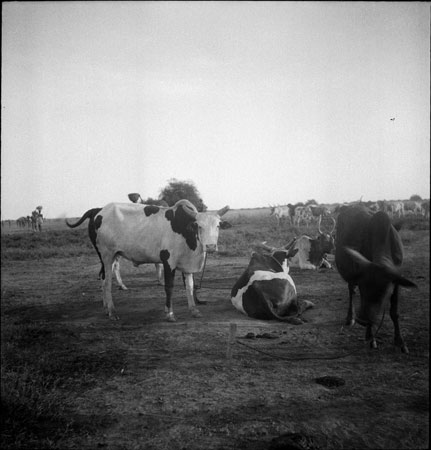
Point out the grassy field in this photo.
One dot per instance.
(72, 379)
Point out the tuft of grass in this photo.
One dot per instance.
(42, 368)
(52, 244)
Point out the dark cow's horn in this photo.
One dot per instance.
(134, 197)
(222, 211)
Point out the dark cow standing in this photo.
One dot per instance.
(368, 254)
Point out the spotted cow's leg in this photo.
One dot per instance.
(107, 289)
(169, 287)
(350, 319)
(195, 291)
(159, 271)
(398, 339)
(116, 270)
(188, 279)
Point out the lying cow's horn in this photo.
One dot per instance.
(222, 211)
(265, 246)
(318, 224)
(289, 245)
(335, 224)
(134, 197)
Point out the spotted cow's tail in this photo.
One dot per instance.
(92, 232)
(90, 214)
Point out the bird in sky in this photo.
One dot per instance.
(393, 118)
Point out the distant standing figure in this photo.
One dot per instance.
(36, 220)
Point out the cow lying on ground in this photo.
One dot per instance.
(265, 290)
(178, 237)
(368, 254)
(90, 215)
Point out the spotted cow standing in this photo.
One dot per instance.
(178, 237)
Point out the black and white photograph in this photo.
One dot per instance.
(215, 225)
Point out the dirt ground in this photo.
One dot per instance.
(182, 386)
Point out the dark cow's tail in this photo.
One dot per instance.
(90, 214)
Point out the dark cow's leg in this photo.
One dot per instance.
(398, 339)
(370, 335)
(350, 319)
(169, 287)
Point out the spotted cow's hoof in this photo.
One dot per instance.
(195, 313)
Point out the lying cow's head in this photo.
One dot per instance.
(322, 244)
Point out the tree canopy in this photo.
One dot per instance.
(177, 190)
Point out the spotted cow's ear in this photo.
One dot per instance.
(134, 197)
(192, 227)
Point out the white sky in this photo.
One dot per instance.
(257, 103)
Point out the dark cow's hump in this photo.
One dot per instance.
(182, 223)
(352, 231)
(151, 209)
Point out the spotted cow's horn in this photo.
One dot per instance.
(188, 210)
(222, 211)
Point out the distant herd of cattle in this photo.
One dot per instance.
(300, 214)
(368, 255)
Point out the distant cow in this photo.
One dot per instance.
(414, 207)
(178, 237)
(395, 208)
(426, 208)
(279, 212)
(92, 233)
(319, 211)
(312, 252)
(368, 254)
(21, 222)
(265, 290)
(302, 214)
